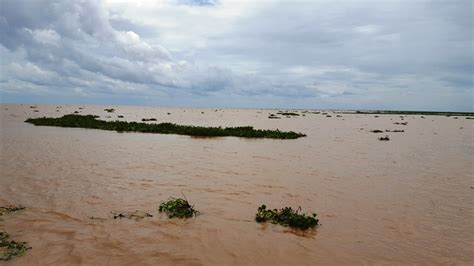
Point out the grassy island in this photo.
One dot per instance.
(90, 121)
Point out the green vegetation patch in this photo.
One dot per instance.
(89, 121)
(10, 209)
(178, 207)
(286, 217)
(10, 248)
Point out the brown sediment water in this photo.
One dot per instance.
(404, 201)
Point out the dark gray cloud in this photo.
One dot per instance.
(328, 54)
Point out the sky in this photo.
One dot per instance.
(352, 54)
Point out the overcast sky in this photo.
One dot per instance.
(413, 54)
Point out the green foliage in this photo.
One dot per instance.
(177, 207)
(9, 209)
(89, 121)
(10, 248)
(286, 217)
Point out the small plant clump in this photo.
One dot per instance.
(10, 248)
(386, 138)
(109, 110)
(148, 119)
(288, 113)
(10, 209)
(376, 131)
(178, 207)
(273, 116)
(132, 215)
(286, 217)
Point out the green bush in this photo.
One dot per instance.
(286, 217)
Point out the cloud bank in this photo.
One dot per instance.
(414, 55)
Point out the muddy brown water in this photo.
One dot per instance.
(405, 201)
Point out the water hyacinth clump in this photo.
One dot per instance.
(89, 121)
(178, 207)
(286, 217)
(10, 209)
(10, 248)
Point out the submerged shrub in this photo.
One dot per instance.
(10, 248)
(177, 207)
(286, 217)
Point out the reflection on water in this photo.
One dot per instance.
(408, 200)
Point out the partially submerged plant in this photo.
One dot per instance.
(178, 207)
(286, 217)
(10, 248)
(386, 138)
(376, 131)
(132, 215)
(10, 209)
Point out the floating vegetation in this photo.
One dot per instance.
(286, 217)
(391, 112)
(170, 113)
(89, 121)
(401, 123)
(76, 112)
(10, 248)
(288, 113)
(148, 119)
(36, 111)
(137, 215)
(33, 106)
(120, 116)
(178, 207)
(273, 116)
(328, 115)
(109, 110)
(386, 138)
(10, 209)
(395, 130)
(469, 117)
(338, 115)
(376, 131)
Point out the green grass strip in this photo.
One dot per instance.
(90, 121)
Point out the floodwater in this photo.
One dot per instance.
(405, 201)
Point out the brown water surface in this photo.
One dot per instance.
(406, 201)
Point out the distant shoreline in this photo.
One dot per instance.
(340, 111)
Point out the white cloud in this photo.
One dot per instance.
(303, 53)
